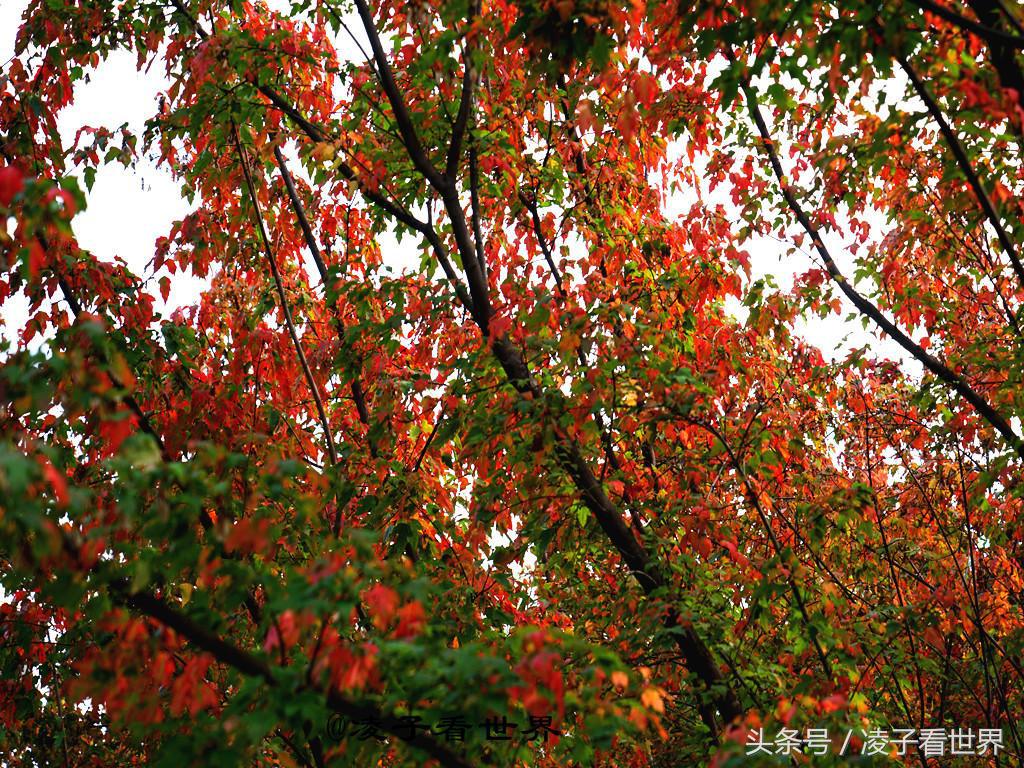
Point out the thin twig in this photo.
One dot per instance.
(268, 251)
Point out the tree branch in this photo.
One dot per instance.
(129, 400)
(965, 165)
(268, 251)
(531, 206)
(480, 307)
(954, 380)
(461, 119)
(405, 127)
(987, 33)
(474, 202)
(253, 666)
(300, 213)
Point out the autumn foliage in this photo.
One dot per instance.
(579, 462)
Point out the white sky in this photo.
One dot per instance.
(129, 208)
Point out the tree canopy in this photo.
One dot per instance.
(580, 478)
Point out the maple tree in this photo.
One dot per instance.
(581, 463)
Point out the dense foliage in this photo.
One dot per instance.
(580, 469)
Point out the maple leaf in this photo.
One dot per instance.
(11, 183)
(383, 603)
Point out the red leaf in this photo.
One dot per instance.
(58, 482)
(11, 183)
(114, 432)
(411, 618)
(383, 603)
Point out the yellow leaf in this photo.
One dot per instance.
(119, 367)
(651, 699)
(323, 150)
